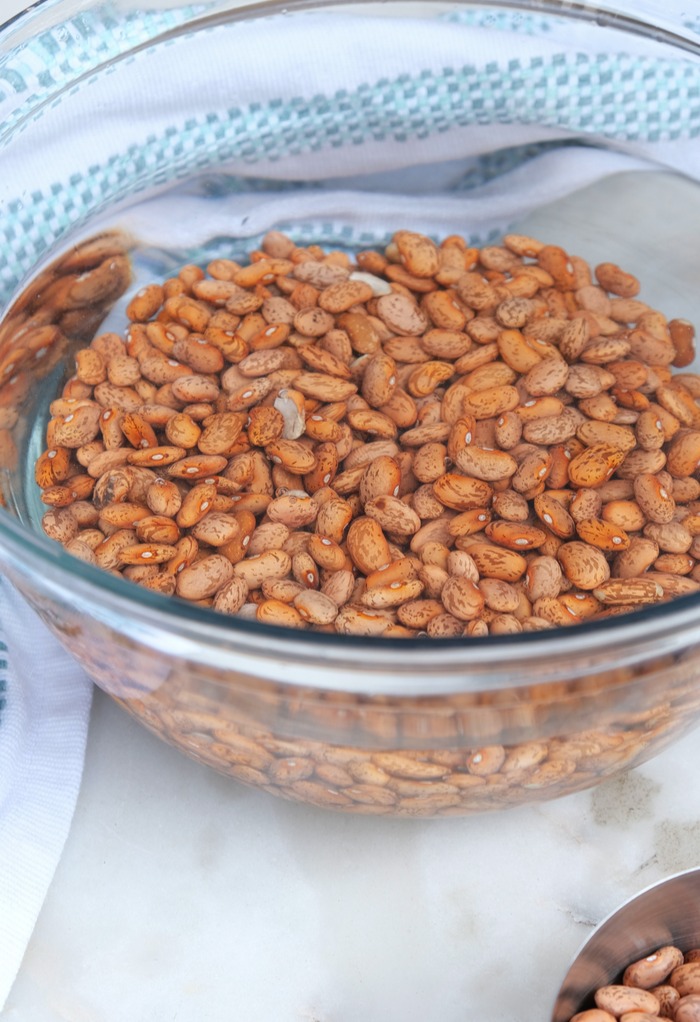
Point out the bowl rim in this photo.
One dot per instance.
(458, 662)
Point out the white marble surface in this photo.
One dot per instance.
(184, 896)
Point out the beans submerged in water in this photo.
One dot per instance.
(434, 440)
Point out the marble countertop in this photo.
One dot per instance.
(183, 896)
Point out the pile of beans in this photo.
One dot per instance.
(664, 985)
(433, 440)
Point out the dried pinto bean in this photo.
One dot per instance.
(439, 441)
(664, 984)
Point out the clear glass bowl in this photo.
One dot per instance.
(580, 124)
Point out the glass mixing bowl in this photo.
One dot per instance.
(174, 133)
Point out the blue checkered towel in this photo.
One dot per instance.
(334, 127)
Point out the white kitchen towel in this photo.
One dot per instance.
(333, 125)
(44, 709)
